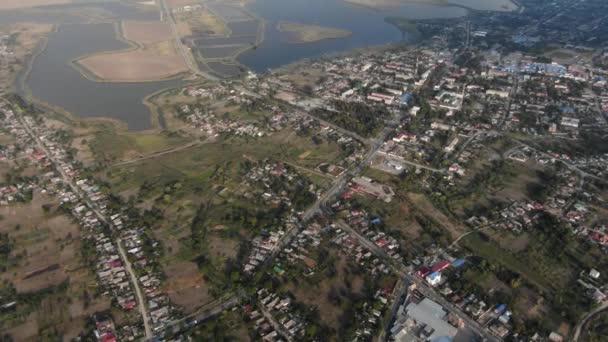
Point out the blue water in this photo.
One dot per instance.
(53, 79)
(367, 26)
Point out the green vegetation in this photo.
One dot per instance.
(596, 329)
(110, 145)
(6, 246)
(405, 25)
(355, 116)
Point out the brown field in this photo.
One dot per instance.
(154, 59)
(48, 249)
(222, 248)
(316, 295)
(185, 286)
(14, 4)
(42, 242)
(146, 32)
(134, 66)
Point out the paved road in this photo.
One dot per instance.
(69, 181)
(183, 50)
(421, 286)
(306, 169)
(414, 164)
(583, 322)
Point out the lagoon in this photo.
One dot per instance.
(367, 25)
(53, 78)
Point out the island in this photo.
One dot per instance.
(309, 33)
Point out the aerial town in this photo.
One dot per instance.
(452, 189)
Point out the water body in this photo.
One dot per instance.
(75, 13)
(367, 26)
(54, 80)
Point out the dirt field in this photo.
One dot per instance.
(317, 295)
(134, 66)
(146, 32)
(44, 245)
(185, 286)
(220, 248)
(155, 59)
(46, 253)
(13, 4)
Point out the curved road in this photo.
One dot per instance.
(581, 324)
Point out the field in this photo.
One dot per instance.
(317, 294)
(424, 205)
(146, 32)
(46, 255)
(306, 33)
(153, 58)
(201, 163)
(185, 285)
(14, 4)
(156, 63)
(200, 22)
(534, 264)
(108, 144)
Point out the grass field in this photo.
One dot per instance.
(534, 265)
(111, 145)
(202, 163)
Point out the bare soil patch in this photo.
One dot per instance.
(318, 295)
(185, 286)
(146, 32)
(133, 66)
(46, 247)
(222, 248)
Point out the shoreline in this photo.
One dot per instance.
(233, 59)
(133, 46)
(299, 30)
(19, 86)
